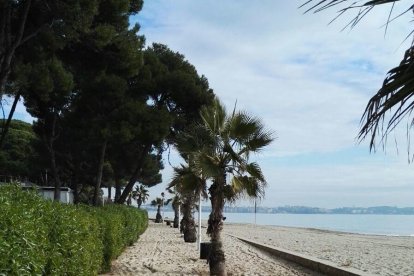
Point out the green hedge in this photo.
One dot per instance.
(42, 237)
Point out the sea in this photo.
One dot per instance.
(387, 225)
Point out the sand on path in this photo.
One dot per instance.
(162, 251)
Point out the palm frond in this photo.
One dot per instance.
(207, 164)
(248, 186)
(396, 92)
(258, 141)
(363, 6)
(254, 170)
(241, 126)
(214, 116)
(157, 201)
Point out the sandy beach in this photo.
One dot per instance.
(161, 251)
(382, 255)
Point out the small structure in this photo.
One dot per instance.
(66, 193)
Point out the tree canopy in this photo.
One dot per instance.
(105, 107)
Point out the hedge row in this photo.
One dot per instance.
(42, 237)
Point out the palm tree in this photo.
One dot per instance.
(175, 204)
(158, 202)
(229, 140)
(188, 185)
(140, 195)
(395, 97)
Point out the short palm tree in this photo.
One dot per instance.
(175, 204)
(188, 185)
(229, 140)
(395, 97)
(141, 195)
(158, 202)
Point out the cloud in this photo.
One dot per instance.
(309, 82)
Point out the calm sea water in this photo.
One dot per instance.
(398, 225)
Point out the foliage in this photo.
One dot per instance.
(395, 95)
(228, 142)
(221, 146)
(99, 98)
(140, 194)
(17, 158)
(44, 237)
(120, 226)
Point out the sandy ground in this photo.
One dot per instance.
(380, 255)
(162, 251)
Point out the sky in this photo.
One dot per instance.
(308, 81)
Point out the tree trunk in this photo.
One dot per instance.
(58, 184)
(75, 186)
(129, 200)
(117, 188)
(139, 201)
(176, 217)
(49, 140)
(135, 175)
(215, 226)
(189, 229)
(5, 129)
(99, 175)
(158, 217)
(109, 192)
(9, 41)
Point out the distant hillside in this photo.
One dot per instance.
(376, 210)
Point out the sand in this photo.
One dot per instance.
(162, 251)
(382, 255)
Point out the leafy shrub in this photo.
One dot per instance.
(75, 246)
(44, 237)
(120, 226)
(23, 233)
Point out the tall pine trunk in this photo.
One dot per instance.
(100, 172)
(58, 184)
(6, 127)
(75, 186)
(109, 192)
(135, 175)
(118, 187)
(49, 142)
(215, 226)
(10, 41)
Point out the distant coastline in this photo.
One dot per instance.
(376, 210)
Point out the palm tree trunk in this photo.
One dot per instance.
(176, 216)
(189, 229)
(215, 226)
(139, 201)
(158, 217)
